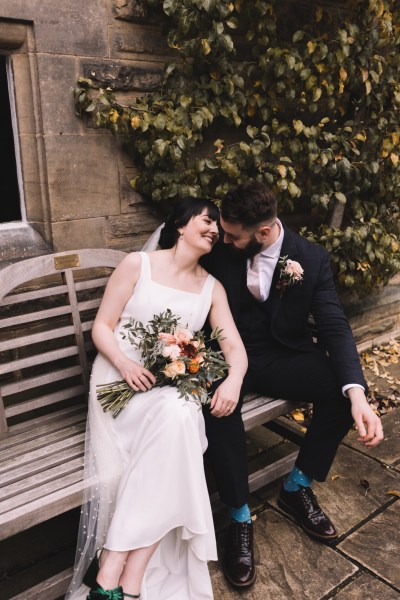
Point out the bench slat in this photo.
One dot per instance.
(47, 483)
(28, 488)
(32, 382)
(22, 407)
(43, 420)
(30, 317)
(66, 419)
(36, 453)
(35, 512)
(42, 464)
(38, 359)
(50, 589)
(261, 414)
(43, 336)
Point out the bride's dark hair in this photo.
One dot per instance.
(184, 210)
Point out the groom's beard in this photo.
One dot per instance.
(252, 248)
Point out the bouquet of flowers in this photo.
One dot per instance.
(175, 355)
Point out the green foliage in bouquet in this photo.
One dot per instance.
(303, 97)
(174, 355)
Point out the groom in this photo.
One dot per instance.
(275, 279)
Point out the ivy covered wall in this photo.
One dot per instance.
(304, 96)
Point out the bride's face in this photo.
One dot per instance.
(201, 231)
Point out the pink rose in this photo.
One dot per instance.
(175, 368)
(294, 269)
(183, 336)
(167, 337)
(172, 351)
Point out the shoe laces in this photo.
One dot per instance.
(310, 499)
(240, 534)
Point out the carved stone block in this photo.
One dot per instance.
(129, 10)
(123, 78)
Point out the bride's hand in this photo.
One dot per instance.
(135, 375)
(226, 397)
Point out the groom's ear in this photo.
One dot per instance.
(262, 233)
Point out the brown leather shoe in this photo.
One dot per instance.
(303, 506)
(238, 564)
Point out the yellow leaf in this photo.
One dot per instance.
(334, 477)
(205, 45)
(395, 138)
(282, 170)
(381, 8)
(393, 493)
(368, 87)
(361, 136)
(251, 110)
(298, 126)
(298, 416)
(311, 46)
(394, 158)
(364, 74)
(343, 74)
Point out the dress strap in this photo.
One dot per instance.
(145, 270)
(205, 297)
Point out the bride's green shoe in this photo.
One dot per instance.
(99, 593)
(90, 577)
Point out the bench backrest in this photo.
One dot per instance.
(48, 304)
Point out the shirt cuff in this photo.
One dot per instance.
(351, 385)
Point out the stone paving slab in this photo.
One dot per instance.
(376, 545)
(342, 496)
(290, 565)
(366, 587)
(389, 450)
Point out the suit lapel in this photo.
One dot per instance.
(289, 249)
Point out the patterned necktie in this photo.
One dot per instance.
(253, 277)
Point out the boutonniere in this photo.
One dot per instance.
(291, 273)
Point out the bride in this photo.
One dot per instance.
(146, 503)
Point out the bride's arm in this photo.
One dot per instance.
(117, 293)
(227, 394)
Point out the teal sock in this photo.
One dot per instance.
(295, 479)
(241, 515)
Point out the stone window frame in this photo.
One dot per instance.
(32, 235)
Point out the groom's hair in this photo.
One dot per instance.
(183, 211)
(249, 204)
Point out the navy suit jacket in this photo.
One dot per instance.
(290, 310)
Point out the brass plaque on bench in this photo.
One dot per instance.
(66, 262)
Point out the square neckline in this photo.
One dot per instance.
(168, 287)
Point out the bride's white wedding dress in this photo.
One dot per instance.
(145, 468)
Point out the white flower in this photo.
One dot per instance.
(172, 351)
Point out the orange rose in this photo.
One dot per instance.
(175, 368)
(193, 366)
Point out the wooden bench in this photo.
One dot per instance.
(48, 304)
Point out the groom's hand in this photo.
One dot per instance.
(366, 420)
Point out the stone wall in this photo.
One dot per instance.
(75, 178)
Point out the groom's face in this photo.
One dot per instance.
(243, 241)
